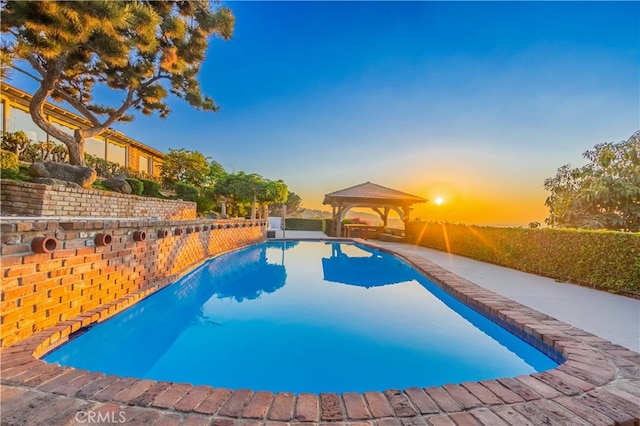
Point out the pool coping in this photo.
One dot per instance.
(597, 382)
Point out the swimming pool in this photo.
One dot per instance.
(303, 317)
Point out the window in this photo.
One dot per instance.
(21, 120)
(117, 154)
(144, 164)
(95, 147)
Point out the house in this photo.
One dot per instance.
(111, 145)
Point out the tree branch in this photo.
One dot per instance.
(79, 106)
(36, 106)
(154, 79)
(129, 101)
(33, 76)
(36, 66)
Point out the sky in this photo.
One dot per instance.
(474, 102)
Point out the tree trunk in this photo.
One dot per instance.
(36, 108)
(253, 207)
(75, 143)
(76, 151)
(75, 155)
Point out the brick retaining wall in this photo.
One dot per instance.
(40, 290)
(33, 199)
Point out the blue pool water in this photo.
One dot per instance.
(303, 317)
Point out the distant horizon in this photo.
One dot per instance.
(473, 102)
(374, 218)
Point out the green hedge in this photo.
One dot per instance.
(603, 259)
(299, 224)
(187, 192)
(327, 226)
(206, 202)
(136, 186)
(151, 188)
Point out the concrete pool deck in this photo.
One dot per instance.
(598, 382)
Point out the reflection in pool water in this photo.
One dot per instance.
(303, 317)
(366, 271)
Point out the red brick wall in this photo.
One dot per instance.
(39, 290)
(134, 158)
(32, 199)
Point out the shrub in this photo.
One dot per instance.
(103, 168)
(99, 184)
(205, 204)
(9, 166)
(210, 193)
(603, 259)
(45, 151)
(136, 186)
(151, 188)
(16, 142)
(299, 224)
(207, 201)
(355, 221)
(187, 192)
(140, 175)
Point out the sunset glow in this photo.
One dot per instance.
(396, 94)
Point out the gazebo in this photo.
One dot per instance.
(370, 195)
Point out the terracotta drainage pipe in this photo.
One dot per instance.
(45, 244)
(102, 239)
(139, 236)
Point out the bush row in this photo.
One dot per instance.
(107, 169)
(299, 224)
(604, 259)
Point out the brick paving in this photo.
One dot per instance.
(597, 383)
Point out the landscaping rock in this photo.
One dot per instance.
(83, 176)
(51, 181)
(118, 184)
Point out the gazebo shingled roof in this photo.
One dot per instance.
(371, 191)
(377, 197)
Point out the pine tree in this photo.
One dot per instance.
(143, 49)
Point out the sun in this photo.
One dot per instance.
(438, 201)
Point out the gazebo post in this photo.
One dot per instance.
(333, 219)
(406, 209)
(338, 222)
